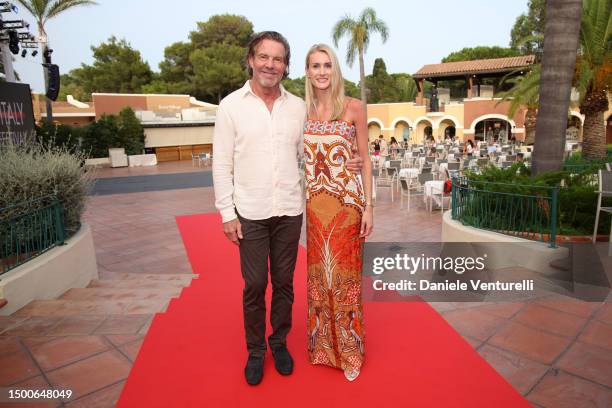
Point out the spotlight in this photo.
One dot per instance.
(24, 52)
(13, 41)
(34, 53)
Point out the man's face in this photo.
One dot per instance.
(268, 63)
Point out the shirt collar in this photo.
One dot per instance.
(246, 89)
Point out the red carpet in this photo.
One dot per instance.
(194, 354)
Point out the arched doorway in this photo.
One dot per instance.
(424, 130)
(493, 130)
(574, 128)
(401, 131)
(446, 129)
(374, 130)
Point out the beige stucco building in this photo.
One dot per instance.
(474, 115)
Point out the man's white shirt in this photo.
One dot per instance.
(255, 155)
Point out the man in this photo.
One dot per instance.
(257, 141)
(384, 148)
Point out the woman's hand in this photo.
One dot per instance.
(367, 222)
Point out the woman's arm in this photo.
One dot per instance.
(358, 115)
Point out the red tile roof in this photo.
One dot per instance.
(482, 66)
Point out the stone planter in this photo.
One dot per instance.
(49, 275)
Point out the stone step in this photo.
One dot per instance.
(172, 277)
(120, 294)
(137, 284)
(63, 307)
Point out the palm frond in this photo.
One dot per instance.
(350, 54)
(342, 27)
(59, 6)
(524, 92)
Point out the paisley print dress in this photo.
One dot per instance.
(334, 206)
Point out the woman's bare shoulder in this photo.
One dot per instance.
(354, 107)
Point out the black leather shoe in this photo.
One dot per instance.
(253, 371)
(282, 360)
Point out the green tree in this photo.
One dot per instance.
(527, 35)
(222, 29)
(351, 89)
(558, 60)
(218, 69)
(295, 86)
(112, 131)
(117, 67)
(480, 52)
(593, 77)
(178, 72)
(359, 32)
(131, 134)
(384, 87)
(406, 87)
(99, 136)
(43, 11)
(70, 86)
(380, 85)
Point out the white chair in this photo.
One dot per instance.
(388, 180)
(405, 189)
(604, 190)
(195, 158)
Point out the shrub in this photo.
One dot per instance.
(37, 170)
(59, 135)
(577, 193)
(111, 131)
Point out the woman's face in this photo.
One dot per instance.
(319, 70)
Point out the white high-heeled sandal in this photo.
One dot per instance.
(351, 374)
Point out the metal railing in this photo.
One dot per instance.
(29, 229)
(523, 211)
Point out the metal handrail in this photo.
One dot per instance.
(515, 214)
(30, 233)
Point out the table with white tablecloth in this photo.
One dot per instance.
(409, 173)
(430, 185)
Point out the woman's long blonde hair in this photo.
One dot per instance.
(337, 84)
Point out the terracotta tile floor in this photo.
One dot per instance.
(555, 351)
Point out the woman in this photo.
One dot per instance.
(394, 144)
(339, 214)
(469, 147)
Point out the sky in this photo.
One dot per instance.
(420, 31)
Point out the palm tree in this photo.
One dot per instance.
(359, 32)
(43, 11)
(524, 93)
(561, 35)
(593, 74)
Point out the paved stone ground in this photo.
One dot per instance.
(555, 351)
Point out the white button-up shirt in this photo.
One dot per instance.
(255, 155)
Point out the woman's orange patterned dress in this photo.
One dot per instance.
(334, 206)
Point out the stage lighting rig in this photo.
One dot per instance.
(13, 40)
(14, 24)
(7, 7)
